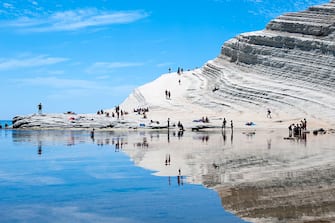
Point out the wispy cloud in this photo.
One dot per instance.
(26, 62)
(107, 67)
(59, 83)
(34, 2)
(74, 20)
(31, 180)
(7, 5)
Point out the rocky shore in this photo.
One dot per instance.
(68, 121)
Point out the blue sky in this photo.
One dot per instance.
(87, 55)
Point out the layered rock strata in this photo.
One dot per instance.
(288, 66)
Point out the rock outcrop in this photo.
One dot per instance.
(68, 121)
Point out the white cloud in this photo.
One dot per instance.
(77, 212)
(106, 67)
(24, 62)
(74, 20)
(34, 2)
(7, 5)
(31, 180)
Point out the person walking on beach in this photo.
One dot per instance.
(290, 130)
(231, 124)
(39, 106)
(269, 114)
(305, 124)
(224, 123)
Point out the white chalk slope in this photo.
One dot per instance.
(289, 68)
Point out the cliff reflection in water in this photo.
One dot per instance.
(259, 176)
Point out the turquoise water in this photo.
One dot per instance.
(68, 176)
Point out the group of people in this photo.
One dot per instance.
(180, 70)
(100, 112)
(180, 126)
(167, 94)
(297, 129)
(141, 110)
(118, 113)
(204, 119)
(167, 159)
(224, 123)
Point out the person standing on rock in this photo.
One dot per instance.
(39, 106)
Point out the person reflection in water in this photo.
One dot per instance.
(269, 143)
(231, 137)
(39, 148)
(92, 134)
(180, 178)
(168, 136)
(224, 136)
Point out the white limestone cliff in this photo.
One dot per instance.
(289, 67)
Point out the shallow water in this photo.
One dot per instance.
(68, 176)
(151, 176)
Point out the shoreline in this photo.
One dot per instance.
(134, 122)
(242, 130)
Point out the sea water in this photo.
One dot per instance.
(166, 176)
(71, 176)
